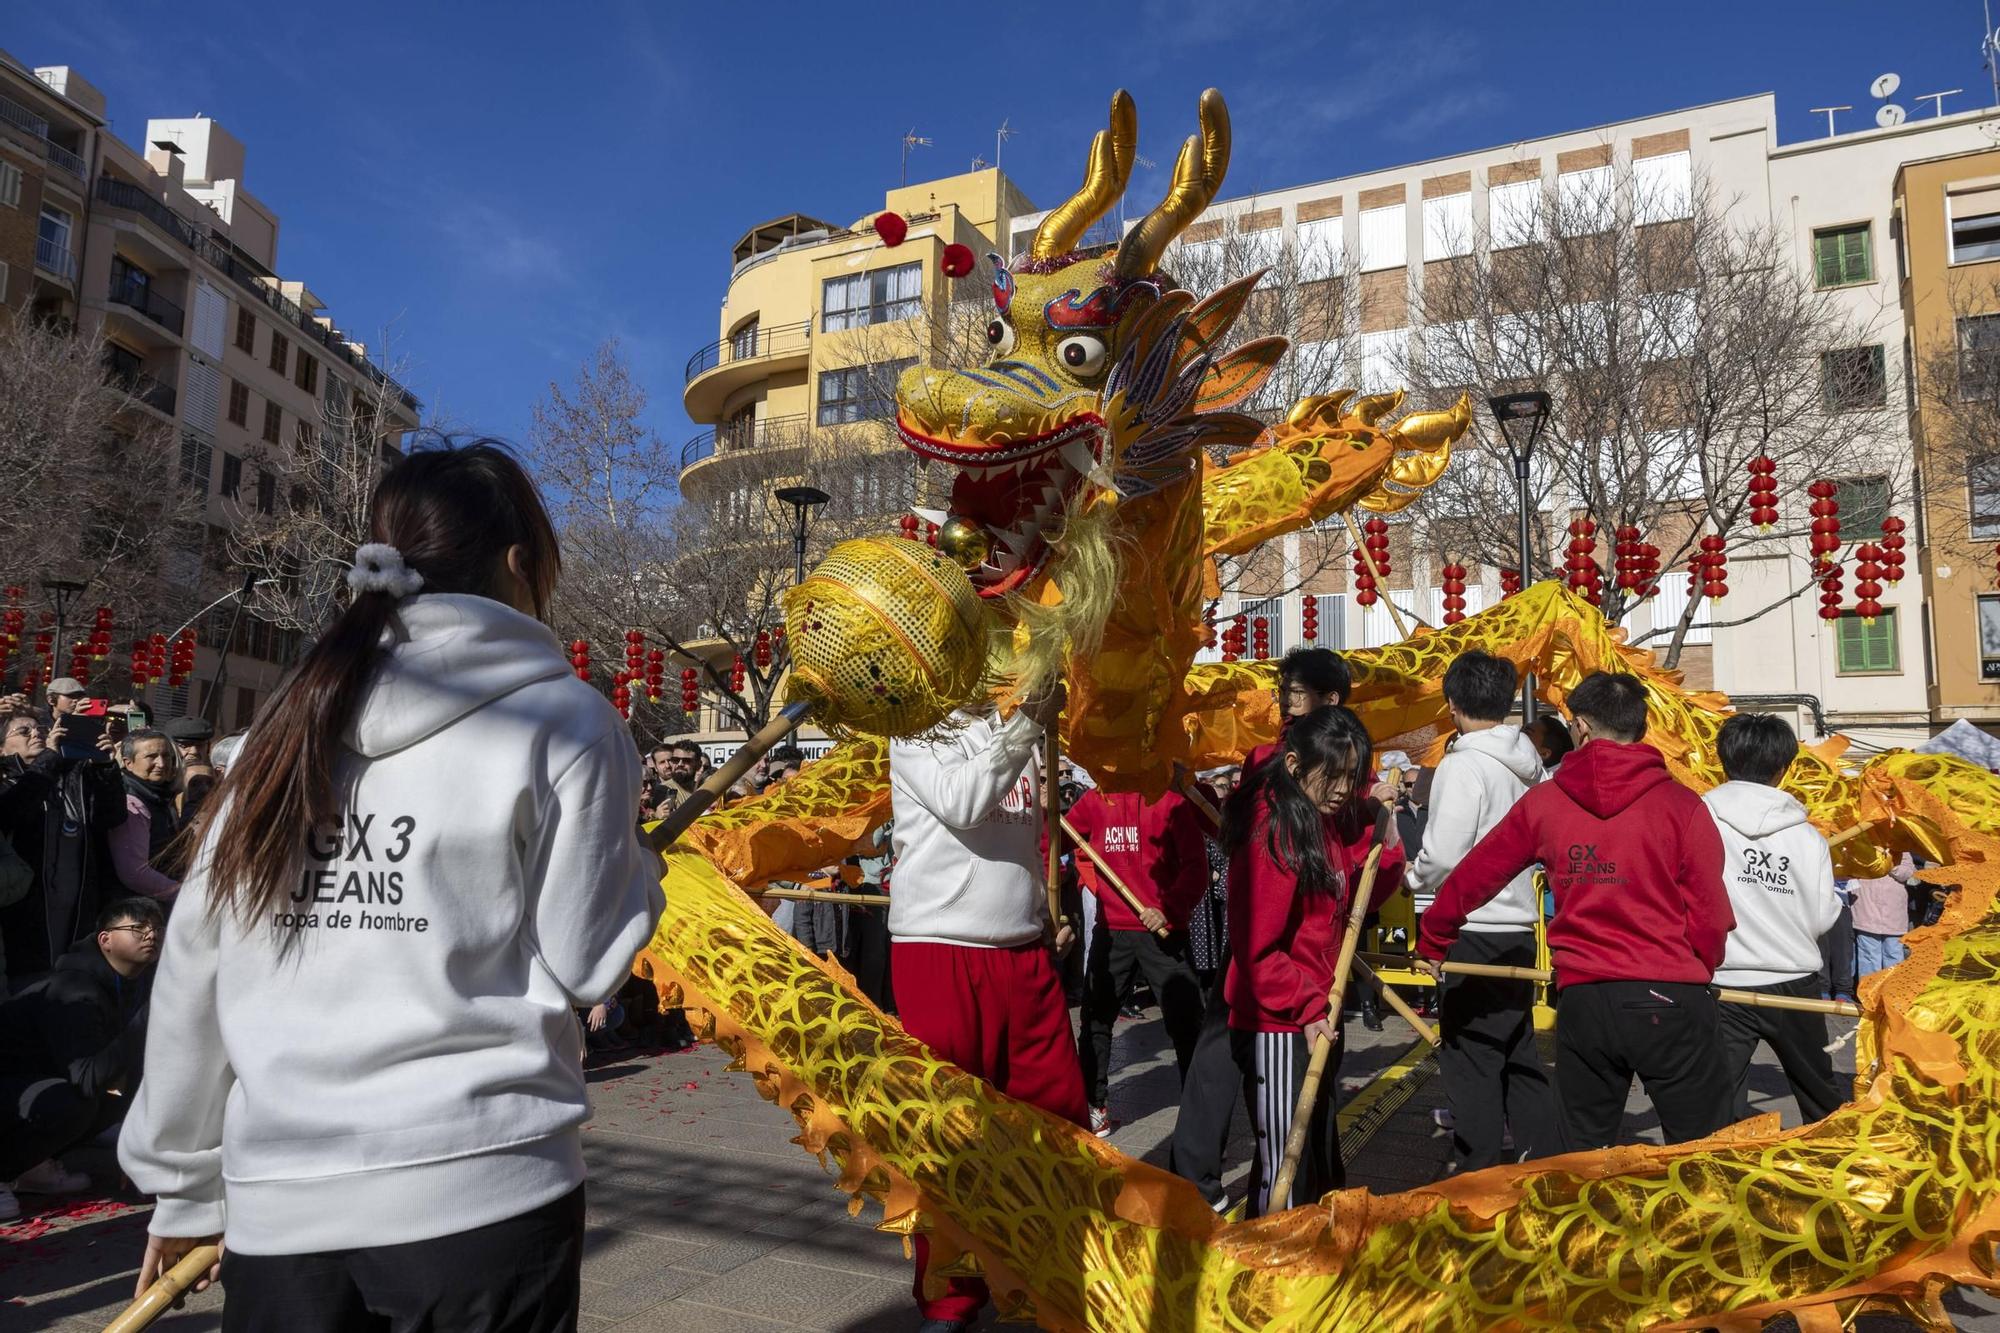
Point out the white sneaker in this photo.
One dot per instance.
(50, 1178)
(10, 1207)
(1100, 1121)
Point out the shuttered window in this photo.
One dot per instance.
(1662, 188)
(211, 319)
(1516, 209)
(1842, 255)
(1864, 647)
(1322, 248)
(1384, 239)
(1975, 225)
(203, 402)
(1448, 226)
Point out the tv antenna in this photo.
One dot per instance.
(1937, 99)
(1889, 114)
(1001, 136)
(1989, 47)
(911, 140)
(1828, 111)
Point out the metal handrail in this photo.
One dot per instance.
(142, 298)
(775, 341)
(63, 158)
(57, 259)
(160, 397)
(23, 119)
(794, 426)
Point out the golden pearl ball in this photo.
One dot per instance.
(964, 542)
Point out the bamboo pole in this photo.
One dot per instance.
(1381, 583)
(823, 896)
(1110, 875)
(1295, 1142)
(1726, 994)
(1396, 1002)
(169, 1287)
(662, 836)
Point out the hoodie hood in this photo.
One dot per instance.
(447, 655)
(1606, 777)
(1506, 746)
(1754, 810)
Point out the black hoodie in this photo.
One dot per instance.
(83, 1022)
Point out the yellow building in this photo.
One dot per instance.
(817, 321)
(1948, 225)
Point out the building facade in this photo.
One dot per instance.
(166, 253)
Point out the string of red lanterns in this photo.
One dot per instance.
(1235, 638)
(1714, 564)
(1584, 575)
(1866, 589)
(1309, 619)
(1454, 593)
(1825, 510)
(690, 691)
(1763, 492)
(656, 670)
(579, 658)
(1892, 550)
(1260, 637)
(1510, 582)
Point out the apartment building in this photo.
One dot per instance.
(164, 250)
(817, 320)
(1385, 231)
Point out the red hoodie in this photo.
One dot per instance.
(1283, 942)
(1633, 857)
(1157, 849)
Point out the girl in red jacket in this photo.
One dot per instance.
(1297, 832)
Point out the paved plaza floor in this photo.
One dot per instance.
(705, 1218)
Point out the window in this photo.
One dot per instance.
(274, 421)
(1322, 247)
(1975, 225)
(1384, 238)
(860, 393)
(1662, 188)
(1864, 503)
(1668, 322)
(307, 376)
(1862, 648)
(1379, 355)
(1983, 481)
(267, 492)
(1989, 637)
(1978, 358)
(197, 457)
(1852, 378)
(232, 477)
(10, 185)
(280, 346)
(1516, 210)
(1273, 611)
(239, 404)
(304, 438)
(246, 330)
(1448, 226)
(1517, 347)
(52, 242)
(1583, 201)
(743, 342)
(861, 299)
(1842, 255)
(1450, 352)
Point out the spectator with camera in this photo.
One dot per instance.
(56, 811)
(142, 848)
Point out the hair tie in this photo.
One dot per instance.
(379, 567)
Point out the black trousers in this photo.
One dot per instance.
(1666, 1032)
(1798, 1040)
(42, 1118)
(1118, 958)
(521, 1275)
(1210, 1089)
(1836, 950)
(1493, 1075)
(1273, 1066)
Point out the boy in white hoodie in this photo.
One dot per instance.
(1781, 887)
(1493, 1074)
(968, 920)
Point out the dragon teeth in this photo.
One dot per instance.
(936, 516)
(1080, 457)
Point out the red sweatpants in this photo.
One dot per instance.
(1000, 1014)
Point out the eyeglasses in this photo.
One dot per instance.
(143, 932)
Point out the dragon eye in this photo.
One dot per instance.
(1001, 334)
(1081, 355)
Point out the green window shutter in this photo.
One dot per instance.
(1826, 259)
(1864, 647)
(1854, 257)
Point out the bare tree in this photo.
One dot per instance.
(93, 489)
(1678, 342)
(1957, 380)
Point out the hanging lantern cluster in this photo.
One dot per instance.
(690, 691)
(1260, 638)
(1583, 573)
(180, 666)
(1510, 582)
(1309, 619)
(1371, 559)
(1763, 492)
(1454, 593)
(1235, 639)
(621, 694)
(762, 651)
(1713, 566)
(737, 674)
(635, 653)
(156, 658)
(142, 665)
(909, 523)
(1637, 564)
(13, 623)
(1825, 525)
(579, 658)
(656, 672)
(1867, 590)
(100, 635)
(1892, 550)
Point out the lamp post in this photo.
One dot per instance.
(1520, 417)
(60, 591)
(805, 502)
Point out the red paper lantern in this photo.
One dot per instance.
(1866, 589)
(1582, 571)
(1825, 510)
(1510, 581)
(1309, 620)
(737, 674)
(908, 523)
(1892, 550)
(1235, 639)
(579, 658)
(930, 535)
(1260, 637)
(1454, 593)
(690, 691)
(956, 261)
(763, 648)
(1375, 536)
(1714, 560)
(891, 228)
(1763, 492)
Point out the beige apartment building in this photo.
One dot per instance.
(166, 251)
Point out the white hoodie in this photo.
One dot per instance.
(411, 1067)
(1780, 881)
(968, 835)
(1477, 783)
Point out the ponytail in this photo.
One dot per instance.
(1329, 740)
(453, 514)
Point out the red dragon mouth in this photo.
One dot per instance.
(1015, 491)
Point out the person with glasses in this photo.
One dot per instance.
(70, 1051)
(42, 795)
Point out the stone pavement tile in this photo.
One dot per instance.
(780, 1289)
(611, 1255)
(639, 1293)
(881, 1305)
(867, 1253)
(693, 1317)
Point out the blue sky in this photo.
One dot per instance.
(503, 185)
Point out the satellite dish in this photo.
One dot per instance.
(1884, 85)
(1888, 114)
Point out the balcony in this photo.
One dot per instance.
(141, 297)
(58, 261)
(13, 113)
(767, 433)
(68, 161)
(729, 364)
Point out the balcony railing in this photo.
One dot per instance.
(765, 433)
(160, 397)
(777, 341)
(142, 298)
(65, 159)
(13, 113)
(56, 259)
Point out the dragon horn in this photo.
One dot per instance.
(1104, 180)
(1371, 408)
(1428, 430)
(1197, 176)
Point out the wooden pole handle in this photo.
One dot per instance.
(166, 1289)
(823, 896)
(1295, 1142)
(1726, 994)
(1110, 876)
(662, 836)
(1397, 1002)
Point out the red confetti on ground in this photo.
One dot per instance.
(690, 1087)
(56, 1215)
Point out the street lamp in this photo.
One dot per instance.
(806, 502)
(60, 591)
(1520, 417)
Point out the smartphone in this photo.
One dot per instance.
(82, 728)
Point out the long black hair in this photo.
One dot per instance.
(1328, 740)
